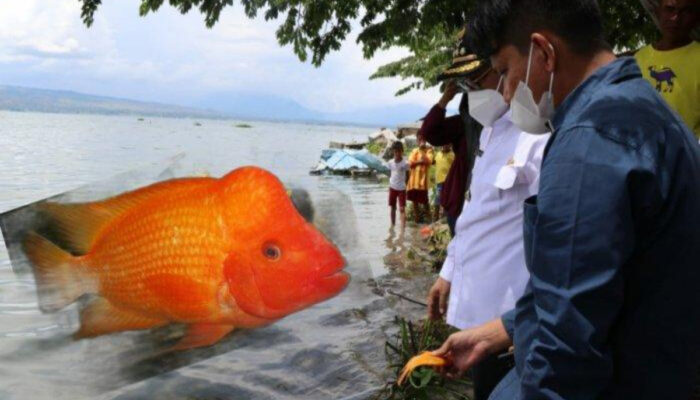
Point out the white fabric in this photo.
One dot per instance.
(485, 261)
(397, 180)
(528, 115)
(487, 105)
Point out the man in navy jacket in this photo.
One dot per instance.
(612, 241)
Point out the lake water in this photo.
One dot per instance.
(333, 350)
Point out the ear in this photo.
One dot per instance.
(546, 50)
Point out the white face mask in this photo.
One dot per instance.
(486, 106)
(527, 115)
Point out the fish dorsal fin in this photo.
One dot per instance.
(77, 226)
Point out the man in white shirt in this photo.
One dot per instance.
(485, 273)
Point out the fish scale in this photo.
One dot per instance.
(187, 258)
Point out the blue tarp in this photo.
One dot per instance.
(346, 160)
(327, 153)
(371, 161)
(343, 160)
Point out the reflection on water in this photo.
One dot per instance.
(332, 350)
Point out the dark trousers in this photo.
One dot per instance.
(488, 373)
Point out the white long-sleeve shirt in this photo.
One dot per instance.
(485, 260)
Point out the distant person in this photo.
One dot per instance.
(419, 161)
(397, 183)
(443, 161)
(672, 64)
(460, 131)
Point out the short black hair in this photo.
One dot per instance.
(397, 146)
(500, 22)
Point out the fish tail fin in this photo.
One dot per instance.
(56, 271)
(76, 226)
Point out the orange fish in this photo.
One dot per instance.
(425, 359)
(215, 254)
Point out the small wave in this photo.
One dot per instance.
(34, 332)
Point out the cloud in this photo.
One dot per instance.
(68, 50)
(170, 57)
(34, 29)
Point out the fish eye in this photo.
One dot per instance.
(271, 251)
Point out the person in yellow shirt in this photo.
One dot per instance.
(419, 161)
(443, 162)
(672, 64)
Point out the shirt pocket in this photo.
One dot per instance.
(513, 185)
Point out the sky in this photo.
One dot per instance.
(172, 58)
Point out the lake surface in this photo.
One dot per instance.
(333, 350)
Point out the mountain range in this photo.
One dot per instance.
(224, 105)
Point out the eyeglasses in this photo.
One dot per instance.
(473, 84)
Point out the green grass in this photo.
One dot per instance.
(376, 148)
(424, 383)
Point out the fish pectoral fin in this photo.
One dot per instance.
(202, 335)
(101, 317)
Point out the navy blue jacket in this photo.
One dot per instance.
(612, 243)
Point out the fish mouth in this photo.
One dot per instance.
(329, 284)
(313, 292)
(334, 279)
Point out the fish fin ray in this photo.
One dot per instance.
(100, 317)
(78, 225)
(56, 273)
(202, 335)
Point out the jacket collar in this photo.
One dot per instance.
(620, 70)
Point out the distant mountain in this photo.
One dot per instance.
(231, 105)
(257, 106)
(267, 107)
(16, 98)
(389, 116)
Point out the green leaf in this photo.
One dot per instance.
(426, 28)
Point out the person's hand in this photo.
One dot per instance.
(466, 348)
(437, 299)
(450, 92)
